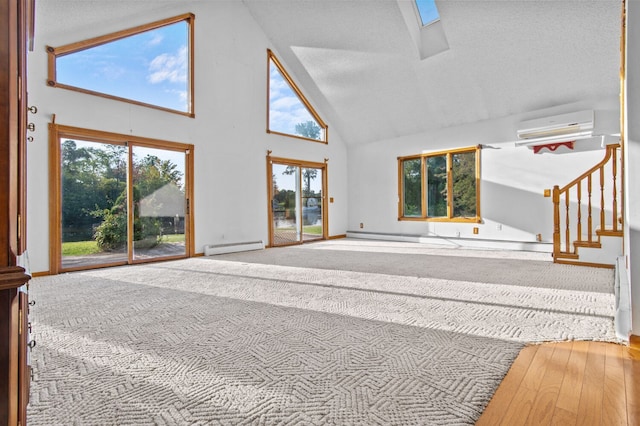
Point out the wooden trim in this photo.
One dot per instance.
(190, 233)
(270, 196)
(41, 274)
(197, 255)
(55, 200)
(54, 52)
(337, 237)
(52, 83)
(289, 135)
(272, 57)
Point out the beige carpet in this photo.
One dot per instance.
(344, 332)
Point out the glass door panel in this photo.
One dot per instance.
(159, 203)
(312, 207)
(284, 204)
(93, 203)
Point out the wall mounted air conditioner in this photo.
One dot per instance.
(564, 126)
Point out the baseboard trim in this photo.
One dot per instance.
(40, 274)
(197, 255)
(337, 237)
(589, 264)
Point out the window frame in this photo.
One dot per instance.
(423, 169)
(54, 52)
(272, 57)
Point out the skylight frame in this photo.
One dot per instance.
(271, 57)
(54, 52)
(421, 12)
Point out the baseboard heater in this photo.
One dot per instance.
(212, 249)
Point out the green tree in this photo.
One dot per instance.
(308, 129)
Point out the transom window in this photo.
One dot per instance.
(149, 65)
(289, 112)
(427, 11)
(440, 186)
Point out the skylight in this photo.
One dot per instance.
(428, 11)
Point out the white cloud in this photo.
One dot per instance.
(156, 40)
(167, 67)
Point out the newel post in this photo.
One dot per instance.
(556, 221)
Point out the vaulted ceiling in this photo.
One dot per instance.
(358, 63)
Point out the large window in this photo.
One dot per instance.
(289, 112)
(440, 186)
(149, 65)
(118, 199)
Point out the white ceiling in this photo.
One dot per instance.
(357, 63)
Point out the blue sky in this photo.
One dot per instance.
(428, 11)
(150, 67)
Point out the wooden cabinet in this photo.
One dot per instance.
(14, 322)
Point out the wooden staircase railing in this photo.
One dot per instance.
(580, 222)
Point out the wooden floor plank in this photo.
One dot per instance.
(563, 418)
(501, 400)
(519, 408)
(632, 384)
(544, 405)
(614, 404)
(569, 384)
(590, 406)
(538, 366)
(574, 375)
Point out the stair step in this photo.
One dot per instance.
(565, 255)
(609, 233)
(592, 244)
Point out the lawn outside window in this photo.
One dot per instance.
(440, 186)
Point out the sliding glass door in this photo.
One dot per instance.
(297, 202)
(119, 202)
(94, 204)
(159, 201)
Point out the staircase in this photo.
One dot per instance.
(587, 215)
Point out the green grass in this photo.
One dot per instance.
(84, 248)
(173, 238)
(314, 229)
(80, 248)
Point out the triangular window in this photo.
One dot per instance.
(150, 65)
(289, 112)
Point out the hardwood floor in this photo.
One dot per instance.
(569, 383)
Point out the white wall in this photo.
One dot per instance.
(632, 160)
(513, 180)
(228, 131)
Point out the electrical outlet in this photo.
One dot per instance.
(476, 230)
(499, 227)
(361, 225)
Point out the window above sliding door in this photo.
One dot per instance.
(289, 113)
(150, 65)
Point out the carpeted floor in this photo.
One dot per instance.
(344, 332)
